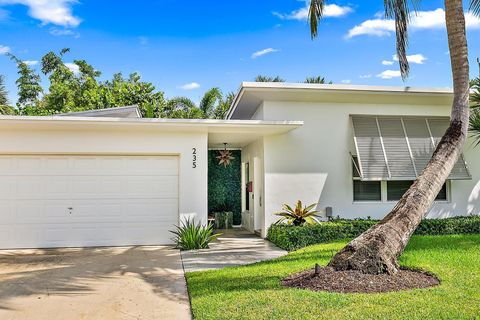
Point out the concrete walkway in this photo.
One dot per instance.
(232, 248)
(93, 283)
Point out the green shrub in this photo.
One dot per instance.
(191, 236)
(296, 237)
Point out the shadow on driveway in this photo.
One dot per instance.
(93, 283)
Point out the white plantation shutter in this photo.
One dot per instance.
(399, 148)
(420, 141)
(438, 127)
(369, 149)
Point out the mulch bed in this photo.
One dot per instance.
(357, 282)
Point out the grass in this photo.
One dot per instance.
(254, 291)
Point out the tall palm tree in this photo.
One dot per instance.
(377, 250)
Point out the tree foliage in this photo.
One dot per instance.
(261, 78)
(318, 79)
(475, 112)
(3, 92)
(76, 87)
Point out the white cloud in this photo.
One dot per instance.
(30, 62)
(4, 49)
(346, 81)
(421, 20)
(389, 74)
(72, 67)
(63, 32)
(333, 10)
(387, 62)
(263, 52)
(329, 11)
(190, 86)
(472, 21)
(57, 12)
(374, 27)
(365, 76)
(414, 58)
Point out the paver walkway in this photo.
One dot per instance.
(232, 248)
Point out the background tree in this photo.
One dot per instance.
(210, 101)
(130, 91)
(28, 85)
(475, 111)
(211, 106)
(319, 79)
(261, 78)
(5, 108)
(3, 92)
(377, 250)
(224, 105)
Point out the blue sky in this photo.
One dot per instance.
(187, 47)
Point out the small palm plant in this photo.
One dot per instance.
(192, 236)
(299, 215)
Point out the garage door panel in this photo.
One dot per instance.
(119, 200)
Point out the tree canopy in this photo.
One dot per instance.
(76, 87)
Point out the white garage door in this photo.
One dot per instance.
(69, 201)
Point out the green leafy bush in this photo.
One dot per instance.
(296, 237)
(192, 236)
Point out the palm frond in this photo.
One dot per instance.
(475, 7)
(315, 14)
(209, 99)
(475, 126)
(399, 10)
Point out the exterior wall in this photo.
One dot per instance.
(254, 218)
(312, 163)
(258, 115)
(130, 141)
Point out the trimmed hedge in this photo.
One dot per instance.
(293, 238)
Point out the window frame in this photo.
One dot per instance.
(384, 188)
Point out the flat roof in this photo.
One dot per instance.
(116, 112)
(252, 94)
(237, 133)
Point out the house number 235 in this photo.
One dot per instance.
(194, 158)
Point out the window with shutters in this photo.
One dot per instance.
(385, 190)
(399, 147)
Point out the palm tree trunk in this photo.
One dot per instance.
(377, 250)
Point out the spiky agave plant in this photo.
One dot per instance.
(299, 215)
(191, 236)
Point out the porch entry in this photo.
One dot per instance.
(225, 186)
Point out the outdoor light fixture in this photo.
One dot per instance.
(225, 156)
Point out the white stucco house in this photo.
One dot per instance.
(109, 177)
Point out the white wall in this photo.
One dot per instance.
(312, 163)
(124, 140)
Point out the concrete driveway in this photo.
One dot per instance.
(93, 283)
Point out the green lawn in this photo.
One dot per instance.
(254, 291)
